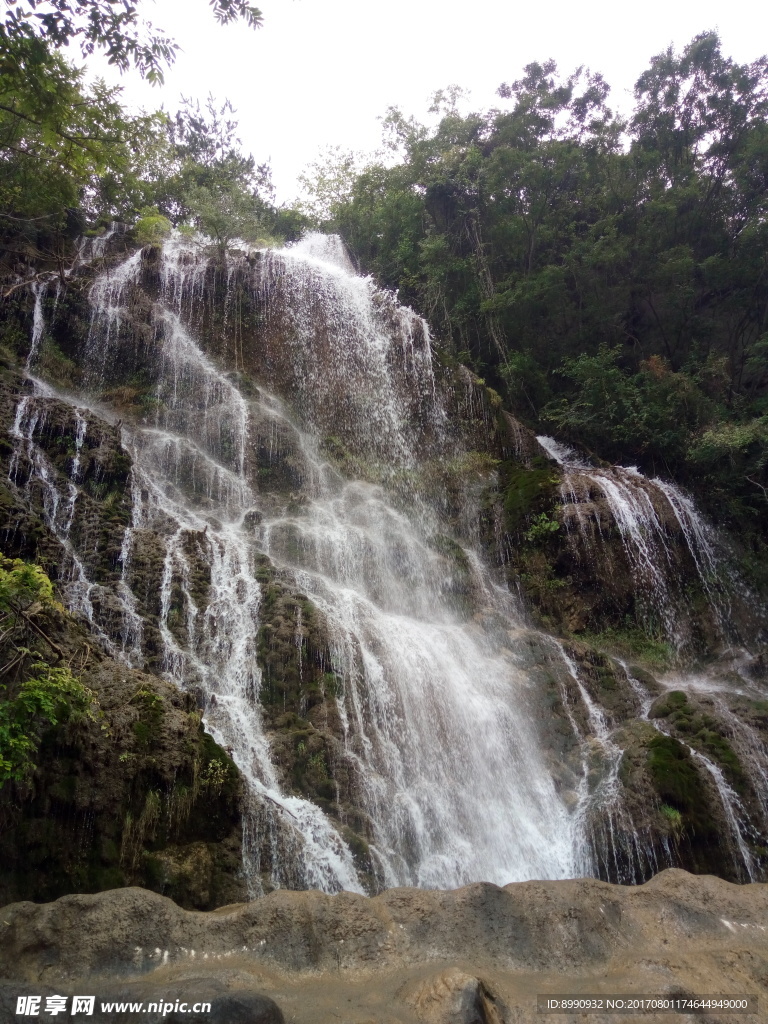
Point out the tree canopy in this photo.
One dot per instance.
(113, 26)
(609, 276)
(70, 154)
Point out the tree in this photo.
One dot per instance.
(329, 180)
(696, 110)
(207, 179)
(225, 213)
(67, 152)
(110, 25)
(609, 276)
(204, 153)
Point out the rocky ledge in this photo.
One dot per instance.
(477, 955)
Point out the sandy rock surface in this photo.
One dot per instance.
(477, 955)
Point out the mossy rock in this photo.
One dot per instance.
(527, 491)
(678, 782)
(670, 703)
(107, 793)
(703, 732)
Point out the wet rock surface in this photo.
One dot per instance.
(138, 794)
(478, 955)
(230, 411)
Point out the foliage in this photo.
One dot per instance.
(113, 26)
(70, 156)
(206, 181)
(673, 816)
(528, 491)
(152, 227)
(224, 214)
(215, 774)
(22, 584)
(542, 527)
(651, 411)
(629, 640)
(55, 134)
(48, 697)
(328, 181)
(606, 276)
(34, 694)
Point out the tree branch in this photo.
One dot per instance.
(54, 646)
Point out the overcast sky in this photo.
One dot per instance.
(320, 72)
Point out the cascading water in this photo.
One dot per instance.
(645, 513)
(438, 699)
(434, 708)
(741, 828)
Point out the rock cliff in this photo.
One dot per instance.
(271, 506)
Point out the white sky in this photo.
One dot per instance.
(320, 72)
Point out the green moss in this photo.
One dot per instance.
(451, 549)
(331, 684)
(359, 847)
(674, 701)
(154, 870)
(702, 732)
(675, 777)
(54, 365)
(527, 491)
(631, 641)
(673, 816)
(606, 676)
(316, 764)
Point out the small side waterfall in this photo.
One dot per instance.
(58, 503)
(645, 513)
(443, 689)
(742, 828)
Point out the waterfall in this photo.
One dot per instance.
(742, 829)
(58, 503)
(436, 707)
(442, 681)
(647, 514)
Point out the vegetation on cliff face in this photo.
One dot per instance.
(34, 694)
(109, 778)
(126, 789)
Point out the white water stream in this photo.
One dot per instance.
(644, 512)
(438, 707)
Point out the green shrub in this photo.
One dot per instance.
(152, 228)
(34, 694)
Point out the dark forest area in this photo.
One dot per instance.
(608, 276)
